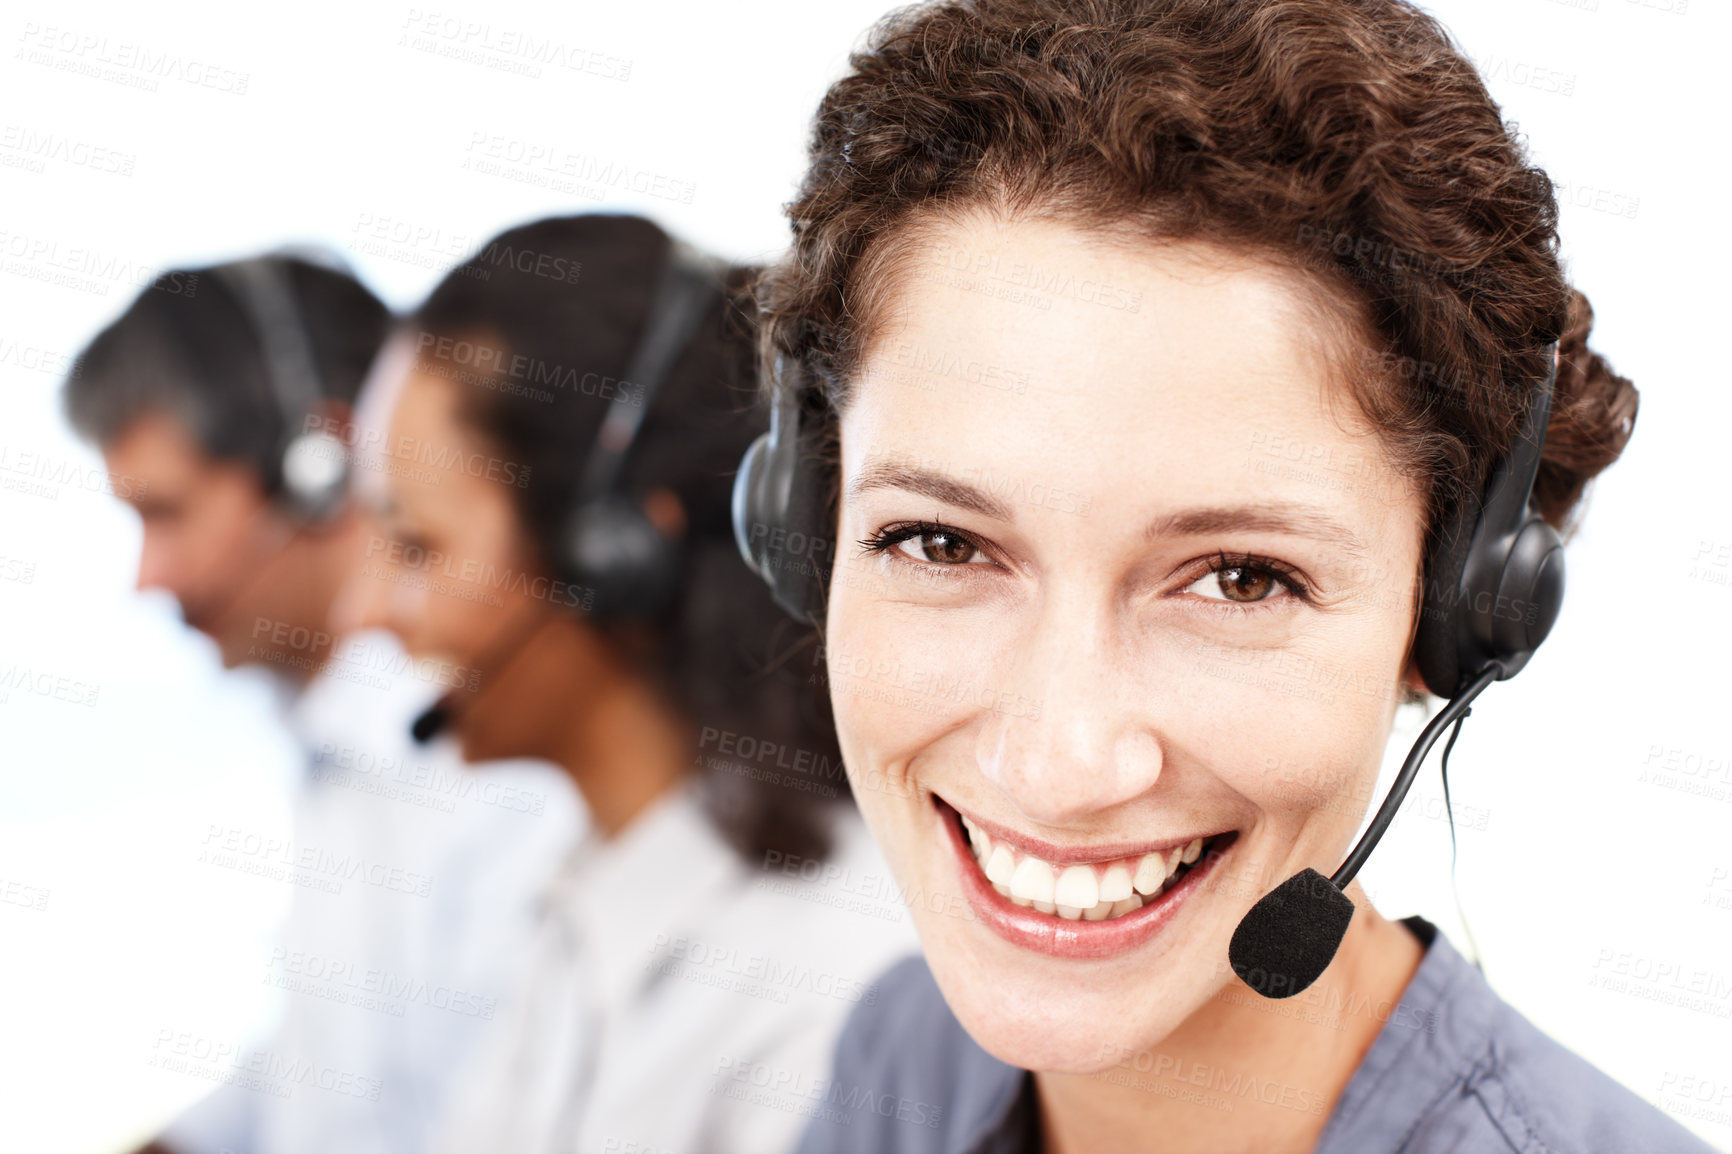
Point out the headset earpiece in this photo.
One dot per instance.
(1494, 579)
(315, 471)
(628, 566)
(779, 505)
(312, 464)
(610, 546)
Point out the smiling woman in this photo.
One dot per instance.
(1275, 283)
(1097, 617)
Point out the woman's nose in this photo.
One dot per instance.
(362, 603)
(1078, 736)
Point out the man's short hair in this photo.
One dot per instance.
(189, 349)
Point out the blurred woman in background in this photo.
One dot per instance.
(592, 381)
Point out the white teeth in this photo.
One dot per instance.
(1077, 887)
(1077, 892)
(1115, 884)
(1151, 872)
(1033, 879)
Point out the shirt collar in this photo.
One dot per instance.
(1441, 1022)
(625, 894)
(1429, 1036)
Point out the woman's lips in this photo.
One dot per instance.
(1063, 855)
(1064, 937)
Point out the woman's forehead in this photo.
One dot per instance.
(1175, 364)
(423, 451)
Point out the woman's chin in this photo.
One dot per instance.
(478, 744)
(1075, 1034)
(1038, 1020)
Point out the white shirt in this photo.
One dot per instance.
(670, 980)
(416, 886)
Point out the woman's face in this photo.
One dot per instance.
(1121, 568)
(453, 574)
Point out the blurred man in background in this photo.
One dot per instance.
(226, 394)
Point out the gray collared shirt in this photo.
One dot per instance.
(1454, 1068)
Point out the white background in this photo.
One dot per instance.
(1582, 871)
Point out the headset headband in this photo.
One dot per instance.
(687, 285)
(261, 285)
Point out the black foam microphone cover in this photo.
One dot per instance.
(1291, 935)
(430, 722)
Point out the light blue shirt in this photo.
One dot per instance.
(1455, 1069)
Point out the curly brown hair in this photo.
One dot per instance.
(1351, 142)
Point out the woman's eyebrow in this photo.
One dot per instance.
(1265, 517)
(927, 483)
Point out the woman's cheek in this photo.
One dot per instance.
(897, 685)
(878, 716)
(1315, 792)
(407, 607)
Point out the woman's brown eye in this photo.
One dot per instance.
(941, 548)
(1241, 584)
(1238, 583)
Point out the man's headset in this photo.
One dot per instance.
(310, 467)
(308, 470)
(1493, 585)
(628, 567)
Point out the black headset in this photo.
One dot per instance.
(780, 501)
(1493, 584)
(1494, 579)
(310, 466)
(608, 545)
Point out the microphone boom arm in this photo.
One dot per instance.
(1289, 937)
(1456, 707)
